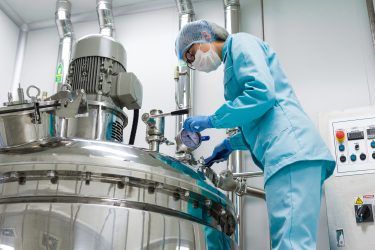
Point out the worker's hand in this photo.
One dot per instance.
(221, 153)
(197, 123)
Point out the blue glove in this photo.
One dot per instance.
(221, 153)
(197, 123)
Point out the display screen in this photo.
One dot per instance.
(357, 135)
(371, 133)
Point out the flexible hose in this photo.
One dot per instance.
(133, 132)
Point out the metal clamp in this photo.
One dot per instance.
(73, 104)
(36, 115)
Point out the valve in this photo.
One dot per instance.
(155, 122)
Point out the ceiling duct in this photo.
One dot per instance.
(232, 15)
(185, 11)
(105, 17)
(66, 34)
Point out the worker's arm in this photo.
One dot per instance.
(251, 71)
(236, 141)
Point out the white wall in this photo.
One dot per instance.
(324, 46)
(8, 47)
(326, 49)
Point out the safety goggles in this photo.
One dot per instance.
(190, 58)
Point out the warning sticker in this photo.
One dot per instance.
(364, 199)
(358, 201)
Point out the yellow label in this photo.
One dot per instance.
(359, 201)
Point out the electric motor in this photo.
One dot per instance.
(98, 67)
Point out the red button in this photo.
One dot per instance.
(340, 135)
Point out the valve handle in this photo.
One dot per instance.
(180, 112)
(205, 138)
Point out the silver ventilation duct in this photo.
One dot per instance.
(105, 17)
(66, 34)
(183, 75)
(185, 11)
(232, 16)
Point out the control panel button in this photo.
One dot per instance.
(356, 146)
(353, 157)
(373, 155)
(341, 148)
(362, 157)
(340, 135)
(343, 158)
(373, 144)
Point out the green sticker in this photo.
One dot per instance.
(59, 74)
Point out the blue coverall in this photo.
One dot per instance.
(280, 136)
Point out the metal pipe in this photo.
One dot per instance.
(66, 34)
(248, 174)
(154, 146)
(234, 163)
(21, 47)
(184, 76)
(371, 15)
(256, 192)
(105, 17)
(232, 24)
(262, 13)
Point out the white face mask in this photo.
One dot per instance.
(206, 61)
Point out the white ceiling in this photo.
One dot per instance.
(33, 11)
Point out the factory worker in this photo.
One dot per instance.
(272, 125)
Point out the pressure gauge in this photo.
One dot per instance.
(189, 141)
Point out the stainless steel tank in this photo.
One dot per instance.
(27, 122)
(67, 182)
(83, 194)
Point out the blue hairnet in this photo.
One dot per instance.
(199, 31)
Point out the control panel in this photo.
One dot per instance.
(354, 144)
(350, 192)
